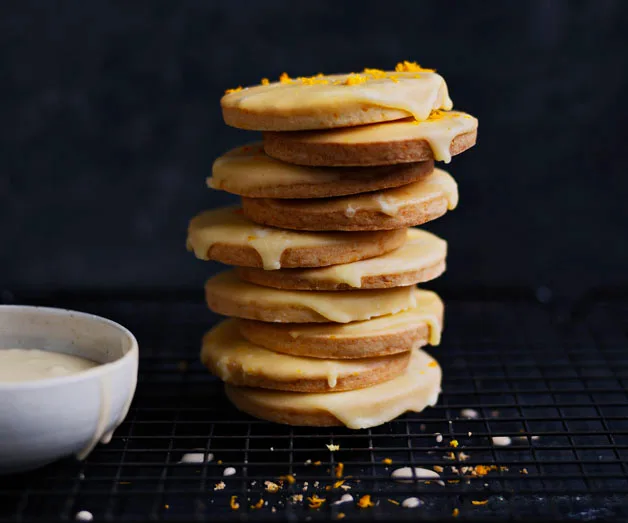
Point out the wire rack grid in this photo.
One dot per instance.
(555, 387)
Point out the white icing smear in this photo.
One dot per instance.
(414, 390)
(408, 475)
(196, 458)
(18, 365)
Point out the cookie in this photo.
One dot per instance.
(390, 334)
(248, 171)
(414, 390)
(420, 259)
(230, 296)
(324, 102)
(227, 236)
(239, 362)
(443, 135)
(405, 206)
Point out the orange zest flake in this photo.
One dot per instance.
(259, 504)
(438, 468)
(453, 481)
(455, 512)
(387, 461)
(284, 78)
(479, 501)
(355, 79)
(432, 364)
(454, 443)
(234, 90)
(313, 80)
(340, 515)
(411, 67)
(524, 471)
(394, 502)
(315, 501)
(365, 501)
(265, 81)
(288, 477)
(339, 483)
(377, 74)
(340, 467)
(233, 503)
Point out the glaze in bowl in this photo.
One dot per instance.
(48, 419)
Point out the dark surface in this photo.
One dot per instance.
(562, 400)
(110, 123)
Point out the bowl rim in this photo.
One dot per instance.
(99, 370)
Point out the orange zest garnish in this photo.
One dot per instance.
(339, 470)
(315, 501)
(259, 504)
(479, 502)
(411, 67)
(233, 503)
(289, 478)
(234, 90)
(365, 501)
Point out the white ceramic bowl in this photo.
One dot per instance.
(44, 420)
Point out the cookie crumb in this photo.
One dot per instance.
(332, 447)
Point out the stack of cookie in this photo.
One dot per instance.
(326, 321)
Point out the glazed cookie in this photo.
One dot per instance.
(412, 204)
(443, 135)
(324, 102)
(420, 259)
(230, 296)
(227, 236)
(248, 171)
(414, 390)
(390, 334)
(237, 361)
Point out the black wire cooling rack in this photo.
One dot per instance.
(555, 383)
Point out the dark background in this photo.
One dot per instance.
(110, 121)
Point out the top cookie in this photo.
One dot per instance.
(325, 102)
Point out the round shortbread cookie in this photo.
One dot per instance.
(237, 361)
(444, 134)
(230, 296)
(248, 171)
(420, 259)
(324, 102)
(227, 236)
(390, 334)
(414, 390)
(412, 204)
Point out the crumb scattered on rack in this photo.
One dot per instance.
(454, 443)
(439, 437)
(501, 441)
(455, 513)
(340, 515)
(220, 486)
(346, 498)
(469, 413)
(296, 498)
(332, 447)
(365, 501)
(438, 468)
(411, 503)
(271, 487)
(524, 471)
(317, 463)
(387, 461)
(308, 462)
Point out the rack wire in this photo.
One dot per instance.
(554, 383)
